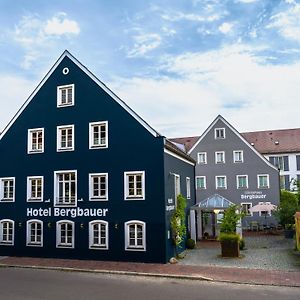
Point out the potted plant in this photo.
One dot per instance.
(228, 237)
(286, 211)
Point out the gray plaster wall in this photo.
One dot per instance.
(252, 165)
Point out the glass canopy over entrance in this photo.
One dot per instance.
(213, 202)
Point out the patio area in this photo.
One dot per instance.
(263, 251)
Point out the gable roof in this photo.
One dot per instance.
(274, 141)
(66, 53)
(197, 140)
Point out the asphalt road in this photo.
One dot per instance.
(43, 284)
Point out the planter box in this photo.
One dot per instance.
(230, 249)
(289, 233)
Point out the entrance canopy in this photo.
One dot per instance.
(213, 202)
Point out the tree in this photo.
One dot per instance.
(178, 222)
(287, 208)
(230, 220)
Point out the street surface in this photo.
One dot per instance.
(31, 284)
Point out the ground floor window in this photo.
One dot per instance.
(98, 234)
(245, 208)
(135, 235)
(65, 234)
(35, 233)
(7, 232)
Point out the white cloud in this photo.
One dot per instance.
(229, 81)
(143, 43)
(180, 16)
(246, 1)
(287, 22)
(60, 25)
(37, 36)
(225, 27)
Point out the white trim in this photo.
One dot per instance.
(242, 155)
(91, 125)
(58, 138)
(250, 213)
(216, 179)
(126, 231)
(237, 182)
(179, 157)
(1, 232)
(216, 155)
(58, 234)
(268, 181)
(91, 235)
(29, 141)
(29, 199)
(6, 200)
(56, 188)
(126, 190)
(200, 188)
(91, 198)
(205, 156)
(177, 192)
(61, 87)
(188, 187)
(219, 117)
(93, 77)
(28, 229)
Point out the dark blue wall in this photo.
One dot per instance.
(176, 166)
(131, 148)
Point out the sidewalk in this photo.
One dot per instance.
(210, 273)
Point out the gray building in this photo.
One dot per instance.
(228, 171)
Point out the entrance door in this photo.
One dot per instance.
(208, 225)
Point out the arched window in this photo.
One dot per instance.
(34, 233)
(65, 233)
(7, 232)
(98, 234)
(135, 235)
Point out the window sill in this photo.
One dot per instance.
(98, 199)
(134, 198)
(98, 248)
(65, 149)
(4, 200)
(35, 151)
(135, 249)
(94, 147)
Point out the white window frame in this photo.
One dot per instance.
(91, 135)
(91, 187)
(188, 187)
(126, 186)
(59, 244)
(237, 182)
(126, 230)
(30, 149)
(204, 154)
(59, 95)
(216, 156)
(250, 214)
(177, 189)
(12, 241)
(28, 233)
(2, 180)
(242, 156)
(268, 181)
(29, 189)
(56, 189)
(217, 137)
(204, 181)
(225, 180)
(59, 147)
(91, 235)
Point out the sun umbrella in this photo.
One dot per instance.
(263, 207)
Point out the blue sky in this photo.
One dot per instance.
(176, 63)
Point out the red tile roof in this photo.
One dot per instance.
(274, 141)
(188, 142)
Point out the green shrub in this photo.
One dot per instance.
(228, 237)
(242, 244)
(190, 243)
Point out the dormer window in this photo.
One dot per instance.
(219, 133)
(65, 95)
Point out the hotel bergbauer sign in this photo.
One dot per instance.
(73, 212)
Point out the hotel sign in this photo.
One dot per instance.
(67, 212)
(252, 195)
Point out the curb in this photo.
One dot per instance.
(113, 272)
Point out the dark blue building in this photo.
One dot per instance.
(83, 176)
